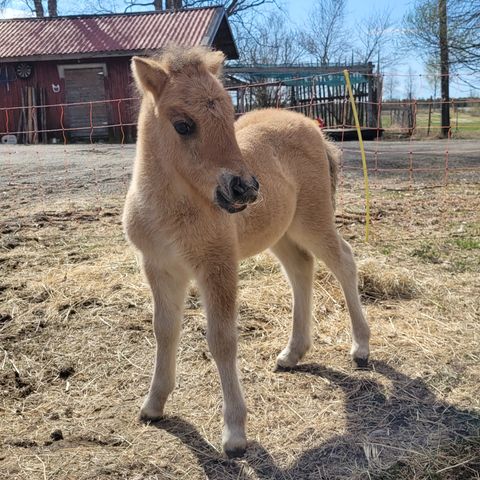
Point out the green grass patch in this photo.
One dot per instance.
(467, 243)
(386, 249)
(465, 122)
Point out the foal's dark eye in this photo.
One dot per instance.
(184, 128)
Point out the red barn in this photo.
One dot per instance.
(68, 78)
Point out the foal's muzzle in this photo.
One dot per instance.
(234, 193)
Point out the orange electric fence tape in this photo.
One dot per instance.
(362, 151)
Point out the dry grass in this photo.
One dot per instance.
(78, 348)
(381, 281)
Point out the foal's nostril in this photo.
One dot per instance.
(255, 184)
(238, 187)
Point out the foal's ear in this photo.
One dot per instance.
(214, 62)
(149, 75)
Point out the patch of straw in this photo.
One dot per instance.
(379, 281)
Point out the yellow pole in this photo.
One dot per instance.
(362, 151)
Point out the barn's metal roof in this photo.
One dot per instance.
(113, 35)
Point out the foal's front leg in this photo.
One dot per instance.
(168, 285)
(217, 280)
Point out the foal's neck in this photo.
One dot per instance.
(152, 147)
(154, 171)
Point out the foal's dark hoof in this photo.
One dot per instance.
(235, 453)
(360, 363)
(150, 419)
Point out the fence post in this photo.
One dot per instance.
(429, 116)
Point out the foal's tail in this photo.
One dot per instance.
(333, 155)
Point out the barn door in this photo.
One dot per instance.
(86, 85)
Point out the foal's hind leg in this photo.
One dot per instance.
(298, 265)
(338, 257)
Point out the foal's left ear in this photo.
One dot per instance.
(149, 75)
(214, 62)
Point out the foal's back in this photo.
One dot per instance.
(295, 166)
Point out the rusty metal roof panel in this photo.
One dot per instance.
(110, 34)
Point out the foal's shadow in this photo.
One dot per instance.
(215, 466)
(382, 425)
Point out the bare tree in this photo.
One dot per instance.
(462, 19)
(444, 65)
(390, 84)
(157, 5)
(52, 8)
(233, 8)
(374, 37)
(173, 4)
(270, 41)
(325, 37)
(432, 73)
(36, 7)
(447, 31)
(243, 14)
(410, 84)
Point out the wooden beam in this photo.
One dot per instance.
(301, 70)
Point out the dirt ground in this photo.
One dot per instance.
(77, 346)
(49, 172)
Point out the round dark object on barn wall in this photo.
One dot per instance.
(24, 70)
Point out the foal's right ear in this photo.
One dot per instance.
(149, 75)
(214, 62)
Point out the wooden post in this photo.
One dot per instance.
(372, 98)
(29, 116)
(34, 115)
(455, 109)
(429, 116)
(414, 115)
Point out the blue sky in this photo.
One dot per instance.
(298, 10)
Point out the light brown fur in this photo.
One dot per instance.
(180, 232)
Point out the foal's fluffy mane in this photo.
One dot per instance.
(175, 58)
